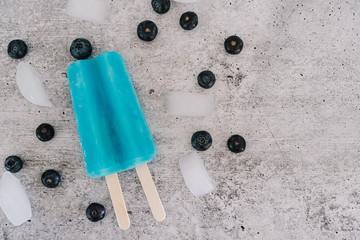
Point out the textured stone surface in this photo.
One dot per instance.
(293, 93)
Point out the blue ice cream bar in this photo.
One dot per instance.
(113, 131)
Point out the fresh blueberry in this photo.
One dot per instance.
(188, 20)
(80, 48)
(161, 6)
(45, 132)
(50, 178)
(236, 143)
(13, 164)
(233, 45)
(17, 49)
(201, 140)
(95, 212)
(206, 79)
(147, 30)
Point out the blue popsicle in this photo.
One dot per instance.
(113, 131)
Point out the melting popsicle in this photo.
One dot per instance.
(112, 128)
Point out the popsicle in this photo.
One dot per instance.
(113, 132)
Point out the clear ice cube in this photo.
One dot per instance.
(14, 201)
(95, 11)
(181, 103)
(195, 175)
(186, 1)
(30, 86)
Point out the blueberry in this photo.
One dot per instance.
(233, 45)
(13, 164)
(45, 132)
(50, 178)
(189, 20)
(80, 48)
(17, 49)
(147, 30)
(201, 140)
(95, 212)
(206, 79)
(236, 143)
(161, 6)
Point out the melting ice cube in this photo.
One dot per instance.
(186, 1)
(195, 175)
(95, 11)
(190, 104)
(13, 200)
(30, 86)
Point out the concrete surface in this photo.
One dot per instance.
(293, 93)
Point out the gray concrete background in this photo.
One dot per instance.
(293, 93)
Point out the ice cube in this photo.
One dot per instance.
(30, 86)
(195, 175)
(95, 11)
(14, 201)
(190, 104)
(186, 1)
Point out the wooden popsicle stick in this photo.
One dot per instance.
(117, 199)
(151, 193)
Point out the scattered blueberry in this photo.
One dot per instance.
(17, 49)
(233, 45)
(236, 143)
(188, 20)
(95, 212)
(80, 48)
(201, 140)
(45, 132)
(50, 178)
(206, 79)
(147, 30)
(161, 6)
(13, 164)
